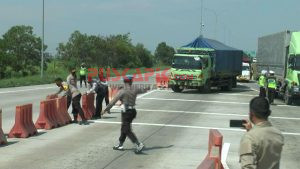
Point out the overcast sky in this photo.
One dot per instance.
(177, 22)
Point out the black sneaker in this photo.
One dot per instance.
(118, 147)
(84, 122)
(96, 117)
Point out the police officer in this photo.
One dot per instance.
(128, 97)
(271, 84)
(83, 73)
(64, 87)
(261, 146)
(262, 83)
(101, 89)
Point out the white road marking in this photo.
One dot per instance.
(208, 113)
(254, 89)
(235, 94)
(186, 100)
(184, 126)
(145, 94)
(25, 90)
(225, 150)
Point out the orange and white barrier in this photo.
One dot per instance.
(213, 158)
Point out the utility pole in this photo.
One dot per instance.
(42, 52)
(201, 27)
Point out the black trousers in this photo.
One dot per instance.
(69, 100)
(126, 130)
(271, 95)
(77, 107)
(262, 92)
(82, 78)
(99, 100)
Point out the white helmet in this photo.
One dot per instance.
(263, 72)
(271, 72)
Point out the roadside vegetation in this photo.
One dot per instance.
(20, 56)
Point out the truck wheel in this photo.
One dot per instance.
(206, 87)
(234, 82)
(177, 89)
(287, 99)
(228, 87)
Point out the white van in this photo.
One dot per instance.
(245, 73)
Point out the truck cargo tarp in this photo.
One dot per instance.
(228, 60)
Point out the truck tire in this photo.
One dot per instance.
(287, 99)
(234, 82)
(206, 88)
(176, 89)
(228, 87)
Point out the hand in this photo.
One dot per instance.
(247, 125)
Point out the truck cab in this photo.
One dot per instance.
(245, 76)
(292, 79)
(190, 69)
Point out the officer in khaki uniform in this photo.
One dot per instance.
(128, 98)
(261, 146)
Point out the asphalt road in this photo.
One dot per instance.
(173, 126)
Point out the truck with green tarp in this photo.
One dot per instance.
(280, 52)
(205, 63)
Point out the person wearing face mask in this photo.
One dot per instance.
(261, 146)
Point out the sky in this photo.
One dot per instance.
(237, 23)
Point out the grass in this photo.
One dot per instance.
(49, 78)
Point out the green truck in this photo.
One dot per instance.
(280, 52)
(205, 63)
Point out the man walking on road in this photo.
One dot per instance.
(261, 146)
(262, 83)
(83, 73)
(101, 89)
(128, 98)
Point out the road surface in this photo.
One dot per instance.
(173, 126)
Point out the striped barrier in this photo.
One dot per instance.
(62, 109)
(88, 106)
(214, 151)
(23, 126)
(3, 139)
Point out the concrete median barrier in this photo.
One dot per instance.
(3, 139)
(23, 126)
(48, 115)
(214, 151)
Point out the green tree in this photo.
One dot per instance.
(23, 49)
(144, 55)
(164, 53)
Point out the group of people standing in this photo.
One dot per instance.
(267, 85)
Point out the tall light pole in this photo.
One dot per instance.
(42, 52)
(201, 27)
(216, 20)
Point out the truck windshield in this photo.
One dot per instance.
(183, 62)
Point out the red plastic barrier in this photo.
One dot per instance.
(24, 126)
(207, 163)
(162, 82)
(215, 143)
(88, 105)
(48, 115)
(3, 139)
(63, 110)
(53, 96)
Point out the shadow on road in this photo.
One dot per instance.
(9, 143)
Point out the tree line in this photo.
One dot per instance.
(20, 52)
